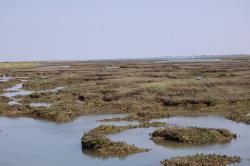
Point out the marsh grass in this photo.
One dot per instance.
(8, 65)
(96, 141)
(193, 135)
(137, 86)
(201, 159)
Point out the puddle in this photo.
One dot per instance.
(40, 104)
(51, 90)
(22, 77)
(16, 87)
(5, 78)
(14, 102)
(26, 141)
(112, 67)
(55, 67)
(198, 78)
(17, 90)
(14, 91)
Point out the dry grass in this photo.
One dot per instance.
(12, 65)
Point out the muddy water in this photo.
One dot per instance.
(25, 141)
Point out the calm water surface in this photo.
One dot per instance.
(25, 141)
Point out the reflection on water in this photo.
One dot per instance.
(26, 141)
(93, 154)
(175, 145)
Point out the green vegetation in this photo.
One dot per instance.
(202, 159)
(193, 135)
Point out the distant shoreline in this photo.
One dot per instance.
(163, 58)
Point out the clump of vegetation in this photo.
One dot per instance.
(202, 159)
(110, 129)
(240, 117)
(193, 135)
(95, 140)
(152, 124)
(142, 116)
(104, 146)
(185, 101)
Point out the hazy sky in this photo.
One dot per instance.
(94, 29)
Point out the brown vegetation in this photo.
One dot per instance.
(245, 118)
(154, 89)
(193, 135)
(96, 141)
(202, 160)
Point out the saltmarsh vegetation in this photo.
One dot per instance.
(111, 129)
(145, 89)
(18, 65)
(201, 160)
(193, 135)
(240, 117)
(96, 141)
(141, 116)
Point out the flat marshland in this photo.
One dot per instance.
(143, 91)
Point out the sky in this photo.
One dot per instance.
(112, 29)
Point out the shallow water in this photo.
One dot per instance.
(41, 104)
(17, 90)
(55, 67)
(51, 90)
(13, 102)
(5, 79)
(26, 141)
